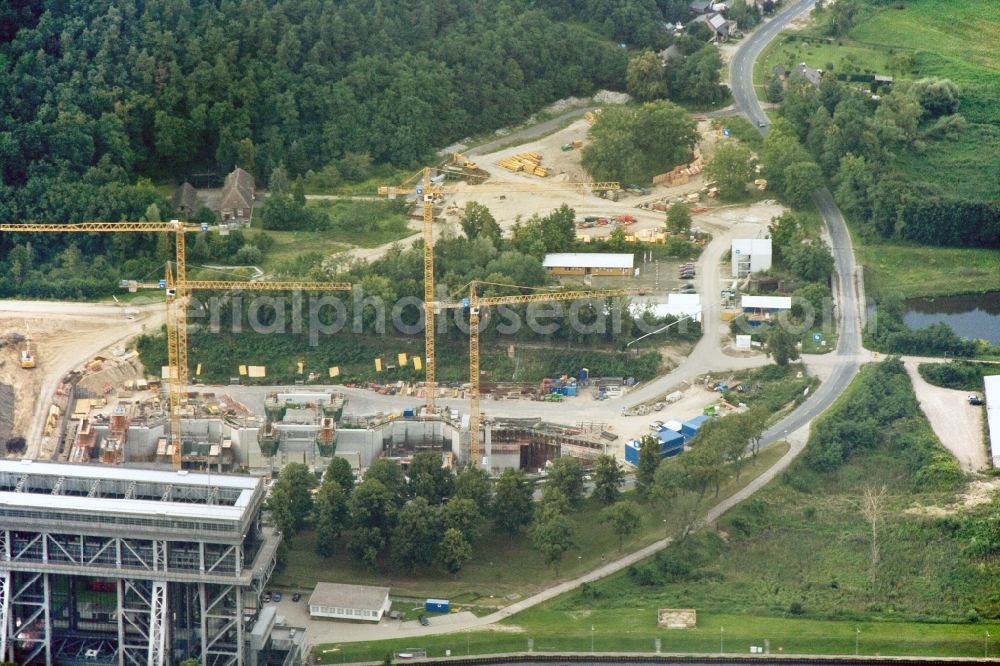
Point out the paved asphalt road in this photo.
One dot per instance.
(795, 427)
(849, 353)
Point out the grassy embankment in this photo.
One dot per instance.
(952, 40)
(793, 565)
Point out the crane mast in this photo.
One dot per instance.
(428, 189)
(476, 304)
(179, 290)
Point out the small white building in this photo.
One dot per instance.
(750, 255)
(587, 263)
(762, 307)
(349, 602)
(992, 390)
(677, 305)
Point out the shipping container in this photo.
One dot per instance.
(669, 439)
(632, 452)
(690, 428)
(437, 605)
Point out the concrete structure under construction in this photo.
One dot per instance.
(118, 565)
(530, 443)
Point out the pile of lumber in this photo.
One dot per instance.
(529, 163)
(679, 175)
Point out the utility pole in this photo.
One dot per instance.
(591, 638)
(857, 639)
(722, 636)
(986, 645)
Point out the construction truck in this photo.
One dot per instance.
(27, 357)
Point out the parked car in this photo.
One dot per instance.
(687, 276)
(276, 596)
(975, 400)
(655, 426)
(267, 597)
(423, 620)
(296, 596)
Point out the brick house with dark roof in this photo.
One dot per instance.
(237, 196)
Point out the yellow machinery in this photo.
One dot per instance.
(475, 304)
(178, 289)
(176, 334)
(27, 357)
(461, 160)
(429, 189)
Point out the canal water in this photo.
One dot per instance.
(969, 315)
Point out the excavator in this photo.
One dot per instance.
(27, 357)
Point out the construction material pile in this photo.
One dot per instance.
(529, 163)
(679, 175)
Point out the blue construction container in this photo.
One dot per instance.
(408, 411)
(437, 605)
(669, 439)
(569, 391)
(690, 427)
(632, 452)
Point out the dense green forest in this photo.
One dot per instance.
(102, 99)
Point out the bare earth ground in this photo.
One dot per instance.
(65, 335)
(553, 191)
(957, 424)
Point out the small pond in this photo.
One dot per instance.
(969, 315)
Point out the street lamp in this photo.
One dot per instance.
(591, 638)
(722, 644)
(986, 645)
(857, 639)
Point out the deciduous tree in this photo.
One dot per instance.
(608, 478)
(454, 551)
(512, 505)
(781, 346)
(566, 474)
(732, 169)
(649, 460)
(624, 519)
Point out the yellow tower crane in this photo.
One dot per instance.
(176, 335)
(475, 304)
(178, 289)
(430, 188)
(177, 348)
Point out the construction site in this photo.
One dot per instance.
(93, 403)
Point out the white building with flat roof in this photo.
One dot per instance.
(750, 255)
(349, 602)
(992, 390)
(677, 305)
(590, 263)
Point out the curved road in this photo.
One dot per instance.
(847, 291)
(846, 361)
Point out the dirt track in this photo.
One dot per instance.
(65, 335)
(957, 424)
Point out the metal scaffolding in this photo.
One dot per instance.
(135, 568)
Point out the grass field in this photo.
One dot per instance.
(295, 248)
(792, 565)
(502, 570)
(953, 40)
(614, 631)
(911, 270)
